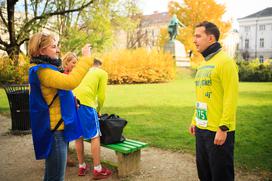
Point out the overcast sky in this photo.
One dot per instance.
(235, 8)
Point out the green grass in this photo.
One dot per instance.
(160, 114)
(254, 123)
(4, 105)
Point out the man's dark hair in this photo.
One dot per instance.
(97, 62)
(210, 29)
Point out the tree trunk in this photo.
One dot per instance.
(13, 49)
(13, 53)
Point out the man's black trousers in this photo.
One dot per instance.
(214, 162)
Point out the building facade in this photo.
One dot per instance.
(147, 33)
(256, 35)
(151, 26)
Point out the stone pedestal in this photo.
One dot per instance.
(177, 49)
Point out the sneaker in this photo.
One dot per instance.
(105, 173)
(83, 171)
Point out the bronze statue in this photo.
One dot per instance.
(173, 27)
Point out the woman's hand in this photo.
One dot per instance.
(192, 129)
(86, 50)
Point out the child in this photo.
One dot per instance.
(69, 61)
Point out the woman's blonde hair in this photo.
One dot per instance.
(39, 41)
(68, 57)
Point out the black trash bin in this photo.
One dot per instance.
(18, 97)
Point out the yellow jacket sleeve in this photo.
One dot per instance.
(229, 82)
(58, 80)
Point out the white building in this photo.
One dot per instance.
(146, 34)
(230, 43)
(256, 35)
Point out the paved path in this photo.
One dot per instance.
(17, 162)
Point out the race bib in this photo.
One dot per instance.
(201, 114)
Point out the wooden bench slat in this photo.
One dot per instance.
(133, 148)
(132, 144)
(120, 147)
(117, 148)
(138, 146)
(126, 147)
(142, 144)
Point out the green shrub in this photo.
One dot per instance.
(254, 71)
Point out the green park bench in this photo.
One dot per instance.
(128, 155)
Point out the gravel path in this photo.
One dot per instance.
(17, 162)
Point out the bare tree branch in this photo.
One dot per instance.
(13, 1)
(2, 48)
(22, 41)
(26, 26)
(78, 15)
(45, 6)
(2, 18)
(35, 8)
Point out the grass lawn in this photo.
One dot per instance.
(160, 114)
(4, 105)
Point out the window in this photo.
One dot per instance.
(261, 42)
(261, 59)
(247, 28)
(247, 43)
(262, 27)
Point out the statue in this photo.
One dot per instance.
(175, 47)
(173, 27)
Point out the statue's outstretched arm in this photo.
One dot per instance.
(181, 24)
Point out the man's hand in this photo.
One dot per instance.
(192, 129)
(220, 137)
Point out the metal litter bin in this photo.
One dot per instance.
(18, 97)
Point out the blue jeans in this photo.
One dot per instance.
(55, 164)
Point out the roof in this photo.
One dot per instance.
(263, 13)
(156, 18)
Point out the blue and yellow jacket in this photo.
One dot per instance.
(45, 82)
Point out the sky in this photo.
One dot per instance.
(234, 8)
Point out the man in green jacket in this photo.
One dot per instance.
(91, 94)
(214, 120)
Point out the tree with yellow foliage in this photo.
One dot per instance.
(192, 12)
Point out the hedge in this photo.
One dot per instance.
(253, 71)
(138, 66)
